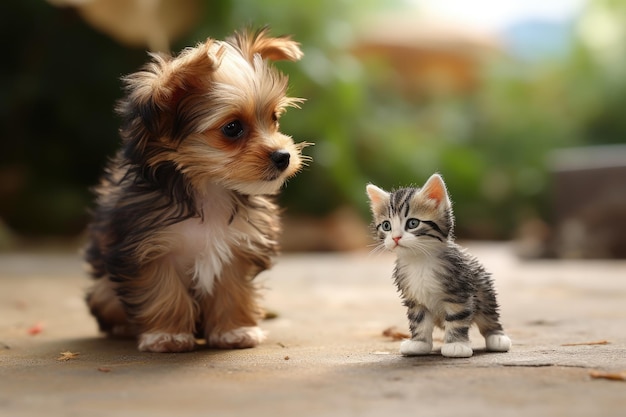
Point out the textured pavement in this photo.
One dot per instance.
(326, 354)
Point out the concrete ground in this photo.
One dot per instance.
(325, 354)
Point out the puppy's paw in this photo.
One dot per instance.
(456, 350)
(498, 343)
(166, 342)
(240, 338)
(415, 348)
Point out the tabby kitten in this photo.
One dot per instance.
(440, 283)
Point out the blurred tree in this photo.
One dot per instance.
(60, 79)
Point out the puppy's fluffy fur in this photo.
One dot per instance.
(184, 218)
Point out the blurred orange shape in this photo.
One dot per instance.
(35, 329)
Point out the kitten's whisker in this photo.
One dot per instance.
(418, 250)
(422, 248)
(378, 249)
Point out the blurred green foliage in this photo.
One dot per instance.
(60, 79)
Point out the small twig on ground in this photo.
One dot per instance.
(612, 376)
(597, 342)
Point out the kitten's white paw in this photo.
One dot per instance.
(166, 342)
(456, 350)
(415, 348)
(498, 343)
(240, 338)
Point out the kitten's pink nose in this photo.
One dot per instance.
(397, 239)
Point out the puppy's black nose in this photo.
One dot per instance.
(280, 159)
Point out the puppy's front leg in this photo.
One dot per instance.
(231, 312)
(159, 303)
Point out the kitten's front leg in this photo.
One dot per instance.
(457, 323)
(421, 325)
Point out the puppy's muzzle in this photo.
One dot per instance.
(280, 159)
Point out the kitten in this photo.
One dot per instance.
(440, 283)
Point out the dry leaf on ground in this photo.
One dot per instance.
(395, 334)
(35, 329)
(66, 356)
(270, 315)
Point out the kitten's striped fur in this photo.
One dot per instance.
(440, 283)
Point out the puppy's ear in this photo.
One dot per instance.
(153, 94)
(161, 82)
(276, 49)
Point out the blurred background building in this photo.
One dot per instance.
(494, 95)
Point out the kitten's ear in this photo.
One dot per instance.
(377, 196)
(435, 189)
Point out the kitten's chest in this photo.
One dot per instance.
(420, 280)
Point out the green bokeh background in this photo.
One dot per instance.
(60, 79)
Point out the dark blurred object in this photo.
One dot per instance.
(59, 80)
(589, 199)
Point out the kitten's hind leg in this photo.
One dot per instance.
(421, 325)
(495, 338)
(498, 342)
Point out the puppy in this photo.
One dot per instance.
(185, 217)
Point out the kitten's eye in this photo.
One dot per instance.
(412, 224)
(233, 129)
(386, 226)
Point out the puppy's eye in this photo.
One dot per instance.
(412, 224)
(275, 117)
(233, 129)
(386, 226)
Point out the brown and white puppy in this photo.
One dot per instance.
(184, 218)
